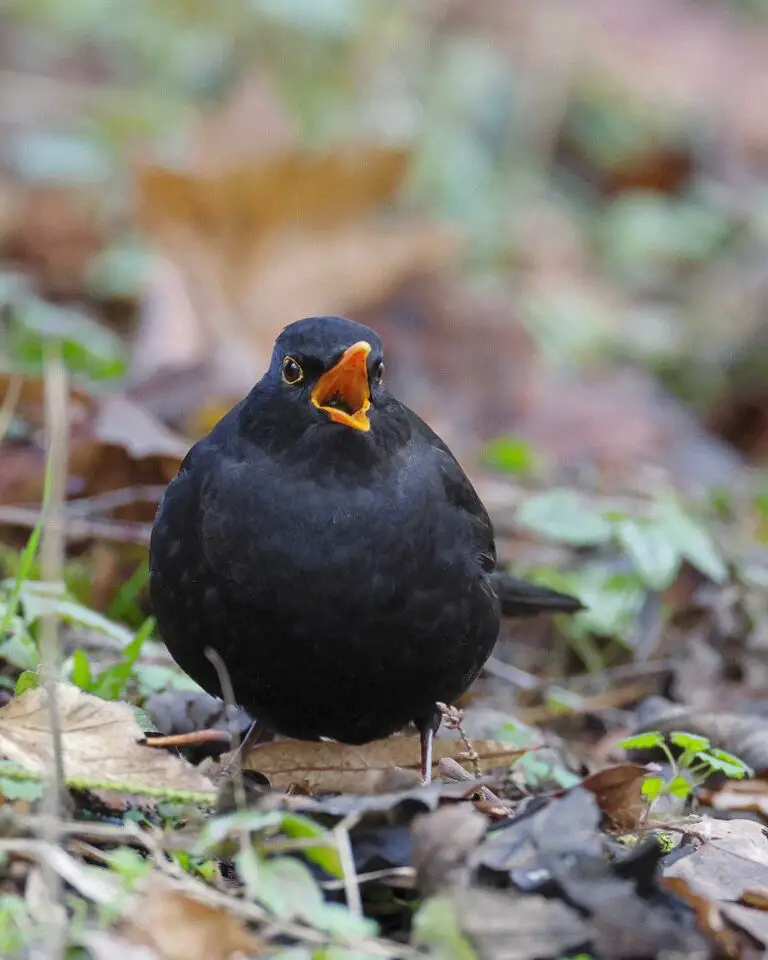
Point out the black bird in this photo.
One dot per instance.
(328, 545)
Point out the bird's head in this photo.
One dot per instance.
(328, 370)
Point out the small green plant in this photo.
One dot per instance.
(697, 761)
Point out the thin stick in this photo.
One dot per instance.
(52, 571)
(351, 880)
(228, 695)
(11, 398)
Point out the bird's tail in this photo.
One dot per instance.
(519, 598)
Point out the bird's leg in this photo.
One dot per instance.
(427, 727)
(426, 736)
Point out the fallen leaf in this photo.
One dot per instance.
(100, 744)
(113, 444)
(178, 926)
(354, 769)
(754, 922)
(104, 945)
(619, 793)
(755, 897)
(441, 843)
(746, 795)
(502, 926)
(246, 250)
(732, 858)
(708, 914)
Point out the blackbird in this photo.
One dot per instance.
(326, 543)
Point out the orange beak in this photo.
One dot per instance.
(343, 393)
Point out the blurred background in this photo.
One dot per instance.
(555, 215)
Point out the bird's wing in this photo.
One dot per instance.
(518, 598)
(460, 492)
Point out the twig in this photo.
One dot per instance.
(11, 398)
(452, 718)
(79, 528)
(52, 571)
(228, 696)
(386, 873)
(112, 499)
(349, 873)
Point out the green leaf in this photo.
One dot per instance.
(81, 670)
(112, 682)
(436, 926)
(643, 741)
(219, 829)
(689, 741)
(655, 557)
(510, 455)
(652, 788)
(327, 857)
(30, 790)
(692, 541)
(680, 787)
(28, 680)
(565, 516)
(726, 763)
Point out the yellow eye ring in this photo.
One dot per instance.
(292, 372)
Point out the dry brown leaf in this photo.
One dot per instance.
(100, 742)
(340, 767)
(248, 250)
(733, 857)
(247, 203)
(177, 926)
(708, 916)
(114, 443)
(747, 795)
(104, 945)
(618, 791)
(442, 843)
(756, 897)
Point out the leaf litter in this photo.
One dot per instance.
(340, 852)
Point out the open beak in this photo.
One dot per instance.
(342, 392)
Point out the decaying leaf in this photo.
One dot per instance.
(355, 769)
(442, 842)
(113, 444)
(246, 250)
(619, 793)
(732, 858)
(100, 744)
(177, 926)
(708, 915)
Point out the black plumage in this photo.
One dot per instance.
(326, 543)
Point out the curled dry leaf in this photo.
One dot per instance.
(340, 767)
(178, 926)
(618, 791)
(746, 795)
(100, 744)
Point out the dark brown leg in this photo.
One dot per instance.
(426, 736)
(427, 727)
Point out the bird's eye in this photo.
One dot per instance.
(378, 371)
(292, 372)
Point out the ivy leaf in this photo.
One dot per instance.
(726, 763)
(689, 741)
(692, 541)
(643, 741)
(679, 787)
(656, 558)
(327, 857)
(652, 788)
(565, 516)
